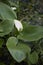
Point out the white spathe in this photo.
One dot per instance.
(18, 25)
(13, 8)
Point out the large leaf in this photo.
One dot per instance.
(6, 12)
(33, 58)
(18, 55)
(17, 50)
(6, 27)
(31, 32)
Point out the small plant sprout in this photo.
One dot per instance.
(18, 25)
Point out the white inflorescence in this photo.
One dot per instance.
(13, 8)
(18, 25)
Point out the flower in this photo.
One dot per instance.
(18, 25)
(13, 8)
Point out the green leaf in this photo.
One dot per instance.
(12, 42)
(6, 27)
(31, 32)
(33, 57)
(17, 50)
(6, 12)
(18, 55)
(24, 47)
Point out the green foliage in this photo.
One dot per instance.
(18, 50)
(6, 12)
(6, 27)
(33, 58)
(31, 32)
(22, 45)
